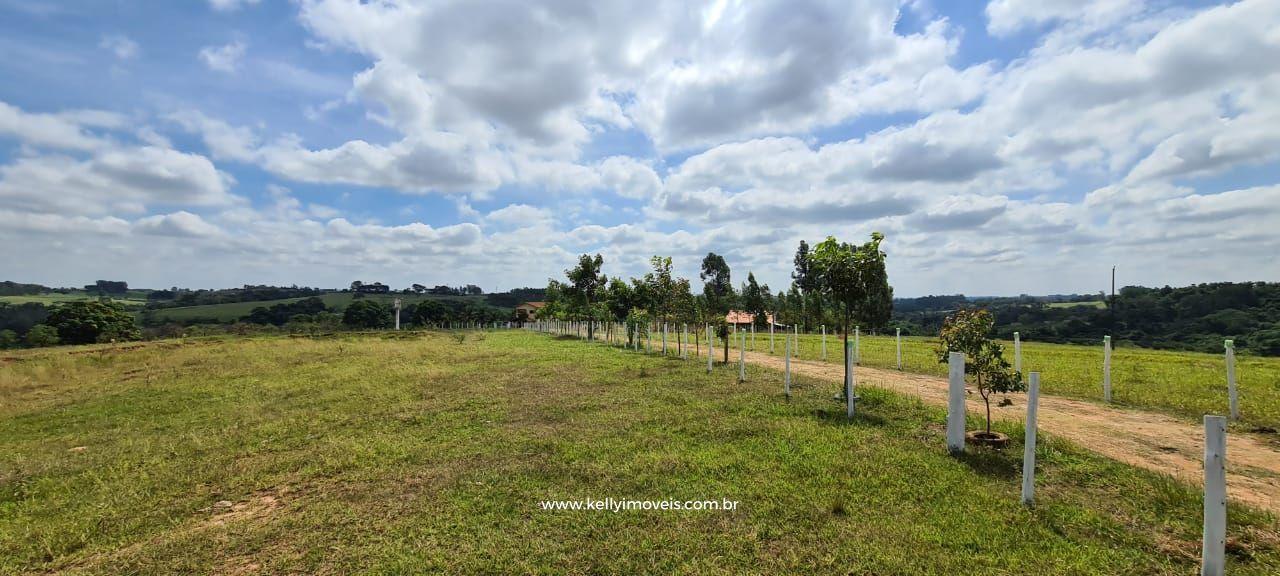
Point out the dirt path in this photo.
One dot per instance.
(1153, 441)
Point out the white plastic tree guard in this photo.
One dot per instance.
(857, 345)
(1106, 368)
(711, 348)
(955, 402)
(742, 357)
(824, 342)
(786, 382)
(684, 342)
(1215, 496)
(850, 398)
(1232, 398)
(1029, 448)
(1017, 352)
(898, 337)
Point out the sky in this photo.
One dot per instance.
(1003, 148)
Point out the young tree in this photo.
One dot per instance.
(969, 331)
(660, 288)
(852, 277)
(804, 279)
(585, 288)
(717, 289)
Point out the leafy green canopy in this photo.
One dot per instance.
(89, 321)
(367, 314)
(854, 278)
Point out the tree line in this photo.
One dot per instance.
(836, 283)
(1196, 318)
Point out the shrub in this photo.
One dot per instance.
(42, 335)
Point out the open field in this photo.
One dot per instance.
(1187, 384)
(55, 298)
(430, 453)
(338, 300)
(1091, 304)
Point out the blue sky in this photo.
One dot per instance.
(1003, 148)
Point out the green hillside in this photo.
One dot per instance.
(337, 300)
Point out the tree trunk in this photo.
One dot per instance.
(724, 336)
(986, 399)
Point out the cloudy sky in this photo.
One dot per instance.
(1003, 148)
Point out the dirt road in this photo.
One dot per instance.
(1153, 441)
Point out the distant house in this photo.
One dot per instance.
(743, 320)
(528, 311)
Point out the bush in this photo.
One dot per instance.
(42, 335)
(8, 339)
(89, 321)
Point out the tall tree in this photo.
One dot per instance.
(753, 301)
(803, 278)
(717, 288)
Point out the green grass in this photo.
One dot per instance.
(1188, 384)
(420, 453)
(337, 300)
(1091, 304)
(55, 298)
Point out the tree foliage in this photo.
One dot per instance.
(854, 278)
(42, 335)
(970, 331)
(585, 288)
(367, 313)
(717, 291)
(753, 302)
(89, 321)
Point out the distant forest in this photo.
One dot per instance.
(1196, 317)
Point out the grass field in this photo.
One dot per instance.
(410, 453)
(338, 300)
(1091, 304)
(1184, 383)
(55, 298)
